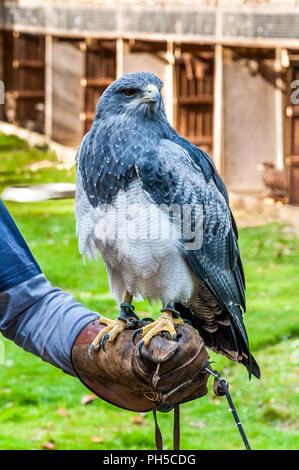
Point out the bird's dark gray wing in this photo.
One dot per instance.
(106, 163)
(173, 176)
(206, 165)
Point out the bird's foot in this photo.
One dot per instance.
(165, 324)
(126, 319)
(109, 333)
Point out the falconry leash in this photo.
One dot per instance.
(220, 388)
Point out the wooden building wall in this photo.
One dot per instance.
(99, 72)
(24, 77)
(249, 126)
(292, 131)
(194, 96)
(67, 93)
(82, 69)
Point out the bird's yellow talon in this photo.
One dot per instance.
(109, 333)
(165, 323)
(106, 321)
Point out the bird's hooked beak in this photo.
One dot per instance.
(151, 94)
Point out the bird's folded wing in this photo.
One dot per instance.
(175, 175)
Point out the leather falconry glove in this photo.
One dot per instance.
(165, 373)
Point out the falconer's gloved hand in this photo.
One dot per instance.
(163, 374)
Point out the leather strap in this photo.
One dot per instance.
(176, 429)
(158, 435)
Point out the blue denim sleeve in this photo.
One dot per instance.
(17, 263)
(42, 319)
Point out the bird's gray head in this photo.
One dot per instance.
(136, 93)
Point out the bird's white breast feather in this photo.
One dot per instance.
(132, 235)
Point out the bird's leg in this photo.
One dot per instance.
(125, 319)
(165, 323)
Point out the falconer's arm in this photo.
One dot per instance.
(42, 319)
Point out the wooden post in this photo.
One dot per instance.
(169, 87)
(279, 113)
(119, 57)
(48, 85)
(217, 110)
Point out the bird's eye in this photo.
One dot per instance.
(129, 92)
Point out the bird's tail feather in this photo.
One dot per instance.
(236, 323)
(225, 340)
(228, 342)
(255, 368)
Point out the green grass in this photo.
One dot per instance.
(16, 158)
(32, 391)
